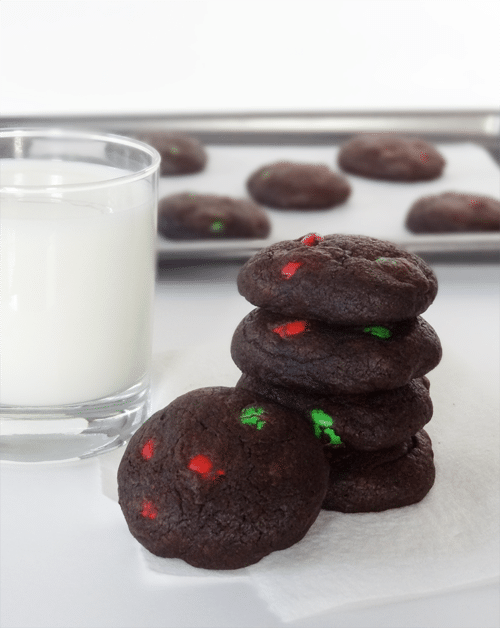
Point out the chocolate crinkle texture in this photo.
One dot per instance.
(180, 154)
(454, 212)
(288, 185)
(340, 279)
(391, 157)
(333, 360)
(189, 216)
(374, 481)
(366, 422)
(222, 477)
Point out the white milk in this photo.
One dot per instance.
(76, 281)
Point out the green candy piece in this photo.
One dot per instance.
(217, 226)
(250, 416)
(379, 331)
(323, 422)
(334, 438)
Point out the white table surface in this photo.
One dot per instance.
(68, 560)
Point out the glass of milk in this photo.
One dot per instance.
(77, 271)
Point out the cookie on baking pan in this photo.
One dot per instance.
(220, 478)
(392, 157)
(366, 422)
(180, 154)
(454, 212)
(288, 185)
(190, 216)
(373, 481)
(328, 359)
(338, 278)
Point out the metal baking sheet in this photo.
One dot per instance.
(375, 208)
(239, 143)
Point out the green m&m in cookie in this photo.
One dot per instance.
(323, 425)
(252, 416)
(379, 331)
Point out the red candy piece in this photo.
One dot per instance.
(291, 329)
(290, 269)
(148, 450)
(200, 464)
(311, 239)
(203, 465)
(149, 510)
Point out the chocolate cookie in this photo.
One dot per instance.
(452, 211)
(180, 154)
(374, 481)
(220, 478)
(392, 157)
(366, 422)
(191, 216)
(309, 354)
(339, 279)
(287, 185)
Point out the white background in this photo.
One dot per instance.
(85, 57)
(217, 55)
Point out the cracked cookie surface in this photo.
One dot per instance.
(220, 478)
(367, 422)
(333, 359)
(340, 279)
(374, 481)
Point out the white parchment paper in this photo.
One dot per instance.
(448, 540)
(375, 208)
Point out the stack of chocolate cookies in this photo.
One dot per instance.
(337, 336)
(329, 412)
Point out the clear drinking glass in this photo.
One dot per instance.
(77, 271)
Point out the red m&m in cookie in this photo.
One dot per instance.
(312, 239)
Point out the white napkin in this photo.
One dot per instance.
(449, 540)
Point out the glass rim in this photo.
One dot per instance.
(48, 133)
